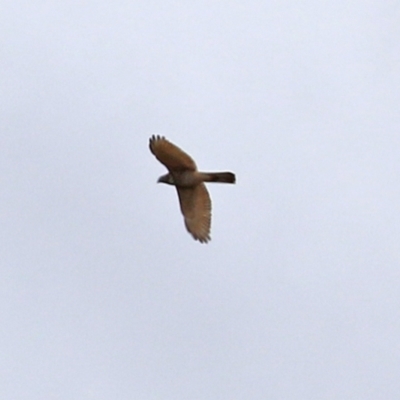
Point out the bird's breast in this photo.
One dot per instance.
(186, 178)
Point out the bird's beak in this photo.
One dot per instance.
(163, 179)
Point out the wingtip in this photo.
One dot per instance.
(203, 240)
(153, 140)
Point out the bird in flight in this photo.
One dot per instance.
(193, 196)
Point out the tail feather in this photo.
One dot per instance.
(223, 177)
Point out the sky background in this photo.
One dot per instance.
(104, 295)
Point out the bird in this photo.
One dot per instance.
(194, 199)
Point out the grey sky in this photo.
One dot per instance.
(103, 293)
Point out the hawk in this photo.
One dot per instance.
(193, 196)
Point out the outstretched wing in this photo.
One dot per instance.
(170, 155)
(196, 208)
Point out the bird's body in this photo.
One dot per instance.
(187, 178)
(193, 196)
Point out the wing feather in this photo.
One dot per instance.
(196, 208)
(170, 155)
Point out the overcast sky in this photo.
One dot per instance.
(104, 295)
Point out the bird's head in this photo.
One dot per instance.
(167, 178)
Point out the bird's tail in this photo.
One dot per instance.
(223, 177)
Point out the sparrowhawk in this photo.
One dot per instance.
(193, 196)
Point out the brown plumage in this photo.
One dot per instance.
(193, 196)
